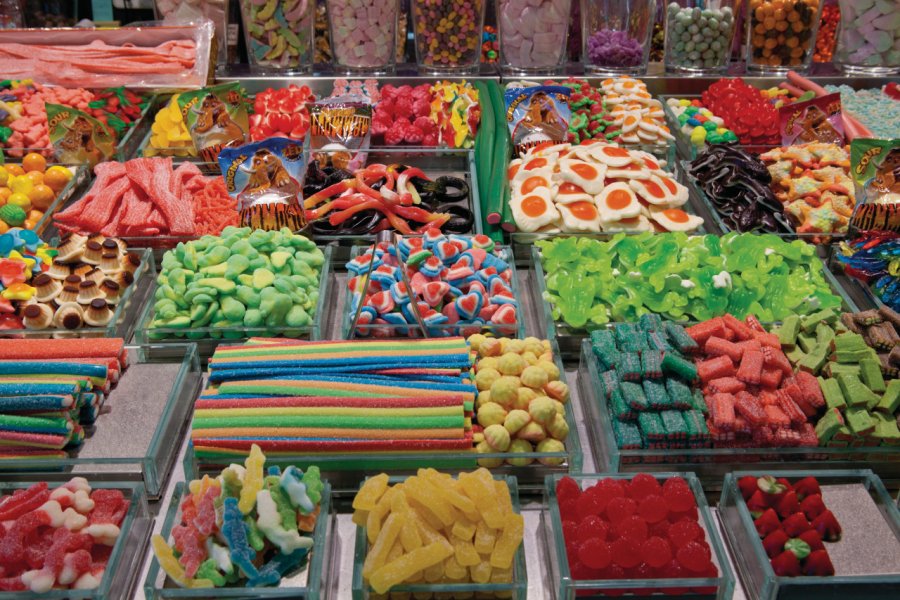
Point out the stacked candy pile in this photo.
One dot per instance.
(443, 114)
(744, 110)
(596, 187)
(457, 530)
(350, 398)
(59, 539)
(51, 389)
(263, 279)
(28, 189)
(681, 277)
(699, 124)
(458, 281)
(247, 527)
(880, 331)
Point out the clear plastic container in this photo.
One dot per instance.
(781, 34)
(363, 35)
(699, 35)
(532, 37)
(448, 34)
(869, 38)
(279, 34)
(616, 35)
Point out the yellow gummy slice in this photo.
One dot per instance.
(454, 570)
(382, 508)
(370, 492)
(463, 530)
(480, 573)
(508, 542)
(485, 538)
(378, 553)
(466, 554)
(395, 553)
(253, 479)
(360, 517)
(429, 497)
(434, 573)
(166, 557)
(479, 487)
(425, 514)
(504, 502)
(397, 571)
(409, 535)
(501, 576)
(451, 494)
(428, 533)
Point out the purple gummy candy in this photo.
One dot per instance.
(614, 49)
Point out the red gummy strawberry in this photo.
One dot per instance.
(414, 135)
(786, 564)
(747, 485)
(800, 548)
(787, 504)
(807, 487)
(818, 564)
(774, 543)
(812, 538)
(813, 506)
(757, 502)
(796, 524)
(787, 484)
(767, 522)
(771, 488)
(567, 488)
(826, 524)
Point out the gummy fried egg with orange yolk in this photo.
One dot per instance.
(616, 202)
(526, 182)
(580, 216)
(533, 211)
(638, 223)
(613, 157)
(674, 219)
(569, 192)
(660, 190)
(589, 176)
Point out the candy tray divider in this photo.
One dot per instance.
(711, 464)
(157, 461)
(760, 581)
(318, 567)
(550, 530)
(128, 554)
(122, 325)
(445, 329)
(206, 344)
(517, 589)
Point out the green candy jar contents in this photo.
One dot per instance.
(243, 278)
(685, 278)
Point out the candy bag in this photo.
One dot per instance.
(816, 120)
(78, 137)
(216, 118)
(875, 169)
(340, 132)
(537, 114)
(266, 178)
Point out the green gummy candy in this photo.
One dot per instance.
(253, 318)
(834, 369)
(284, 285)
(263, 278)
(628, 435)
(245, 279)
(890, 400)
(675, 365)
(855, 393)
(297, 317)
(219, 283)
(859, 421)
(829, 425)
(248, 296)
(790, 327)
(254, 535)
(824, 335)
(218, 270)
(619, 408)
(233, 310)
(870, 370)
(831, 390)
(286, 511)
(280, 259)
(312, 479)
(208, 570)
(823, 316)
(236, 265)
(179, 323)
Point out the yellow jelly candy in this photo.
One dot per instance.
(454, 570)
(410, 538)
(481, 573)
(463, 530)
(485, 538)
(166, 557)
(428, 533)
(434, 573)
(378, 553)
(377, 515)
(451, 491)
(466, 554)
(431, 498)
(253, 479)
(370, 492)
(508, 542)
(360, 517)
(397, 571)
(479, 487)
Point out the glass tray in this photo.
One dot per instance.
(122, 325)
(127, 555)
(709, 211)
(208, 338)
(138, 434)
(870, 522)
(517, 589)
(343, 296)
(711, 464)
(569, 339)
(345, 471)
(311, 583)
(567, 588)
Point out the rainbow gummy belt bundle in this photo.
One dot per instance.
(60, 538)
(247, 526)
(50, 389)
(305, 398)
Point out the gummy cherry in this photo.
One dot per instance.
(642, 485)
(693, 557)
(653, 509)
(685, 531)
(567, 489)
(591, 527)
(619, 508)
(632, 528)
(625, 553)
(656, 552)
(595, 554)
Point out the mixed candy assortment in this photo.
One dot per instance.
(642, 528)
(781, 33)
(346, 399)
(60, 538)
(699, 124)
(793, 524)
(880, 331)
(698, 39)
(434, 528)
(443, 114)
(872, 258)
(448, 33)
(279, 33)
(242, 278)
(280, 113)
(50, 391)
(826, 38)
(249, 526)
(595, 187)
(680, 277)
(456, 284)
(28, 189)
(74, 285)
(745, 110)
(521, 400)
(875, 108)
